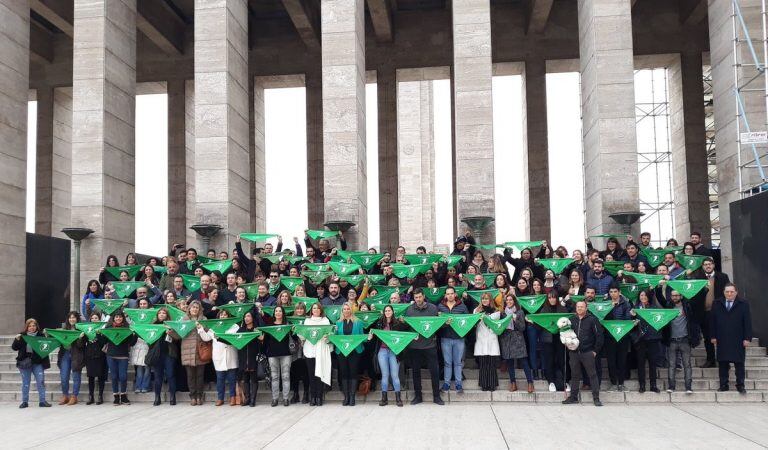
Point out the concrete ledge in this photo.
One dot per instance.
(696, 397)
(647, 397)
(736, 397)
(605, 397)
(477, 396)
(518, 396)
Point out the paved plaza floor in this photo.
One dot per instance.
(426, 426)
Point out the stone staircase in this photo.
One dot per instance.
(705, 384)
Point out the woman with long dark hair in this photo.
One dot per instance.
(248, 357)
(512, 343)
(95, 363)
(313, 352)
(104, 276)
(117, 359)
(279, 354)
(388, 362)
(168, 356)
(71, 362)
(647, 341)
(93, 291)
(552, 351)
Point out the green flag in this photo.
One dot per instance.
(251, 290)
(490, 278)
(548, 321)
(381, 297)
(175, 313)
(343, 268)
(181, 327)
(316, 277)
(274, 258)
(657, 318)
(270, 310)
(651, 280)
(618, 328)
(65, 337)
(290, 283)
(395, 340)
(219, 326)
(346, 255)
(477, 295)
(690, 262)
(125, 288)
(116, 335)
(150, 333)
(273, 289)
(687, 288)
(368, 261)
(632, 290)
(399, 308)
(313, 333)
(108, 306)
(191, 282)
(160, 269)
(132, 271)
(497, 325)
(317, 267)
(434, 295)
(487, 246)
(463, 323)
(90, 328)
(347, 343)
(221, 266)
(577, 298)
(376, 278)
(410, 270)
(278, 332)
(354, 280)
(423, 258)
(41, 345)
(293, 320)
(518, 246)
(333, 312)
(257, 237)
(654, 257)
(239, 340)
(321, 234)
(426, 325)
(600, 309)
(368, 317)
(613, 267)
(556, 265)
(141, 315)
(293, 260)
(452, 260)
(308, 301)
(204, 259)
(237, 309)
(532, 303)
(609, 235)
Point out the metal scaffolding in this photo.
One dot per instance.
(709, 124)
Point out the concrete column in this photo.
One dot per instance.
(103, 119)
(473, 111)
(44, 162)
(314, 98)
(389, 213)
(343, 63)
(536, 160)
(416, 165)
(688, 145)
(177, 162)
(222, 169)
(189, 160)
(608, 112)
(257, 153)
(14, 85)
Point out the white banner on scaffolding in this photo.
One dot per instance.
(754, 137)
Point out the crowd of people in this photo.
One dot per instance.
(291, 317)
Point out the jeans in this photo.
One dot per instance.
(532, 336)
(226, 376)
(118, 371)
(65, 371)
(453, 354)
(26, 378)
(280, 368)
(165, 368)
(389, 368)
(682, 347)
(526, 368)
(143, 377)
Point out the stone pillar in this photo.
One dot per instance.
(314, 98)
(257, 154)
(222, 169)
(389, 223)
(343, 62)
(103, 120)
(189, 161)
(473, 111)
(14, 85)
(688, 146)
(536, 160)
(44, 162)
(177, 162)
(416, 165)
(608, 113)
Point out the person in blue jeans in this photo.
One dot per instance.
(30, 363)
(451, 344)
(117, 360)
(71, 362)
(225, 360)
(388, 363)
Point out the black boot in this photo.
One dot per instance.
(345, 392)
(383, 401)
(116, 401)
(246, 393)
(305, 396)
(352, 386)
(172, 402)
(320, 397)
(124, 399)
(90, 401)
(398, 399)
(100, 398)
(157, 400)
(313, 401)
(254, 390)
(295, 396)
(416, 398)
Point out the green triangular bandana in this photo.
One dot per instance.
(274, 258)
(290, 283)
(191, 282)
(273, 289)
(295, 320)
(149, 333)
(90, 328)
(313, 333)
(237, 309)
(463, 323)
(609, 235)
(376, 278)
(204, 259)
(368, 261)
(41, 345)
(221, 266)
(317, 267)
(618, 328)
(125, 288)
(399, 308)
(346, 255)
(175, 313)
(108, 306)
(343, 268)
(239, 340)
(452, 260)
(434, 295)
(556, 265)
(347, 343)
(354, 280)
(333, 312)
(576, 298)
(497, 325)
(368, 317)
(181, 327)
(657, 318)
(651, 280)
(279, 332)
(219, 326)
(423, 258)
(687, 288)
(64, 337)
(632, 290)
(410, 270)
(427, 325)
(116, 335)
(600, 309)
(308, 301)
(518, 246)
(489, 278)
(654, 257)
(132, 271)
(613, 267)
(381, 297)
(548, 321)
(477, 295)
(532, 303)
(293, 260)
(141, 315)
(270, 310)
(321, 234)
(395, 340)
(690, 262)
(251, 290)
(257, 237)
(316, 277)
(487, 246)
(160, 269)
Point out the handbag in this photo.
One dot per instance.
(205, 351)
(364, 385)
(262, 367)
(152, 358)
(294, 345)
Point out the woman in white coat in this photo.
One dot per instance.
(487, 345)
(225, 360)
(318, 357)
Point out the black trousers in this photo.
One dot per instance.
(708, 345)
(426, 358)
(616, 353)
(315, 383)
(587, 361)
(647, 351)
(250, 384)
(724, 367)
(349, 368)
(553, 362)
(299, 374)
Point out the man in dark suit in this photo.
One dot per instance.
(730, 331)
(702, 302)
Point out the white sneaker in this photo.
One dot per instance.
(688, 391)
(567, 387)
(552, 387)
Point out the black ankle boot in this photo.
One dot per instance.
(384, 400)
(295, 397)
(305, 397)
(157, 400)
(90, 401)
(352, 386)
(116, 401)
(313, 401)
(345, 392)
(172, 402)
(100, 399)
(398, 399)
(124, 399)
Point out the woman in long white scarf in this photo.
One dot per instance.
(318, 357)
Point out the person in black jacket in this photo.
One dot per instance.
(118, 358)
(702, 302)
(680, 336)
(646, 340)
(30, 363)
(731, 332)
(590, 335)
(248, 358)
(95, 363)
(616, 352)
